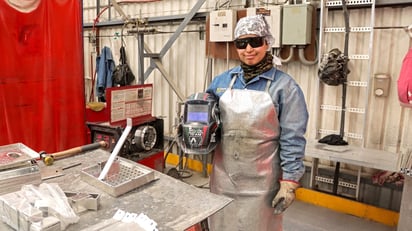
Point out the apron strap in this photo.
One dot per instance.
(234, 77)
(268, 85)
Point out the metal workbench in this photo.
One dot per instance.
(173, 204)
(357, 156)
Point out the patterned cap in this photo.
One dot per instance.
(256, 25)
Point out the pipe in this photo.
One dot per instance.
(303, 59)
(289, 58)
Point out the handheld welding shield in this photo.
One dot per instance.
(199, 127)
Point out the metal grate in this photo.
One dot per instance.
(330, 181)
(123, 176)
(349, 2)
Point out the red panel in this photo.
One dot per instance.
(155, 161)
(97, 116)
(41, 78)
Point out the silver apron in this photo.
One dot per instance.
(246, 166)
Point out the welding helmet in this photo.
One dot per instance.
(198, 130)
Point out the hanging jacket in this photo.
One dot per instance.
(405, 81)
(105, 66)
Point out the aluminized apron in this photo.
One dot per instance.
(246, 164)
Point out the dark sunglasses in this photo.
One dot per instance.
(253, 41)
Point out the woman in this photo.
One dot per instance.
(259, 160)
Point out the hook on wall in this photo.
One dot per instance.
(409, 30)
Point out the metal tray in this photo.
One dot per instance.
(14, 155)
(124, 176)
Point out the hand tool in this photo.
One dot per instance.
(48, 159)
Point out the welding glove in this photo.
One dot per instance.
(285, 196)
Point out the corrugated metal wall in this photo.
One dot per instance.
(388, 125)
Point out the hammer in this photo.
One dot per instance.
(48, 159)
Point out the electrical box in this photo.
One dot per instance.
(222, 25)
(381, 84)
(273, 16)
(297, 24)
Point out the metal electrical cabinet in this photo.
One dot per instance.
(297, 24)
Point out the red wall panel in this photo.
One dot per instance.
(41, 75)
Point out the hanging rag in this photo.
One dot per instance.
(333, 139)
(331, 70)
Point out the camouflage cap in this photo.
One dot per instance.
(256, 25)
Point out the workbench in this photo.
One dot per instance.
(171, 203)
(357, 156)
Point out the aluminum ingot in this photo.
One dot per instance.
(81, 202)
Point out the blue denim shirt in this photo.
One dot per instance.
(291, 110)
(105, 66)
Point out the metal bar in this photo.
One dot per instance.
(321, 50)
(140, 46)
(201, 16)
(120, 11)
(313, 172)
(342, 118)
(390, 27)
(369, 74)
(116, 149)
(336, 178)
(358, 183)
(363, 3)
(179, 30)
(162, 70)
(204, 165)
(155, 62)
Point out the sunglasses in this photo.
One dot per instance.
(253, 42)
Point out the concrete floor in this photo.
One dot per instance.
(302, 216)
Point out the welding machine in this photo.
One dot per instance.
(144, 144)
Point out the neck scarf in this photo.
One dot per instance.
(252, 71)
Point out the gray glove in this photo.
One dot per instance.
(285, 196)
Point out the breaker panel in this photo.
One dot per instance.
(273, 16)
(297, 24)
(222, 24)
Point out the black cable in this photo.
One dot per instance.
(168, 149)
(345, 68)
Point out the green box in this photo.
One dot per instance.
(297, 24)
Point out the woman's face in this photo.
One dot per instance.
(252, 54)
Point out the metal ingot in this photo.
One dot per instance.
(16, 155)
(12, 179)
(124, 176)
(81, 201)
